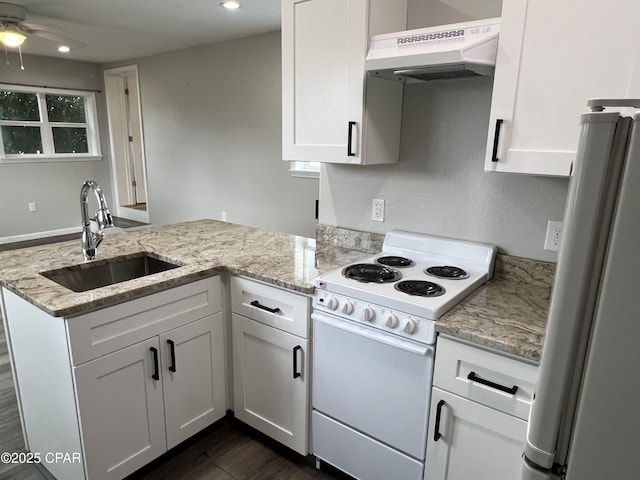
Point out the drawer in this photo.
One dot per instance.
(273, 306)
(104, 331)
(491, 379)
(360, 455)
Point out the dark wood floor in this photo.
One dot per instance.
(117, 222)
(226, 451)
(137, 206)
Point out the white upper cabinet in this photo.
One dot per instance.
(331, 111)
(552, 57)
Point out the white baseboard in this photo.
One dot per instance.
(36, 235)
(133, 214)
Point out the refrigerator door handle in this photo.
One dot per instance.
(475, 378)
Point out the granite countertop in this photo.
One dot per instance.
(202, 248)
(507, 314)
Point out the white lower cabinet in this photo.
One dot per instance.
(194, 395)
(475, 441)
(157, 408)
(270, 364)
(478, 418)
(122, 385)
(118, 387)
(121, 432)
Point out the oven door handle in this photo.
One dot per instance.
(371, 334)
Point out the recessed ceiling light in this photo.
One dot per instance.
(230, 4)
(64, 49)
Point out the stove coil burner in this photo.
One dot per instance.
(371, 273)
(420, 288)
(395, 261)
(454, 273)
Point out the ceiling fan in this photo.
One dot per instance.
(14, 30)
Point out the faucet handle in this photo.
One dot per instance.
(104, 218)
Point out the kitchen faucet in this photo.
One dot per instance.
(91, 240)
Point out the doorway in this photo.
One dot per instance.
(127, 143)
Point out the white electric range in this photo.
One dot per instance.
(374, 346)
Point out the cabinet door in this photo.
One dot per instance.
(193, 372)
(476, 441)
(331, 110)
(121, 410)
(323, 51)
(271, 381)
(552, 57)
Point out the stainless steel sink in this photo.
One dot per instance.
(88, 276)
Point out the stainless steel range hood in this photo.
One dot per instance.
(447, 51)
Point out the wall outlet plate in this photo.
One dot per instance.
(553, 239)
(33, 207)
(377, 210)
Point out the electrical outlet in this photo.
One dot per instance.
(377, 210)
(33, 207)
(554, 236)
(223, 216)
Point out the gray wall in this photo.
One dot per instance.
(55, 187)
(213, 129)
(439, 186)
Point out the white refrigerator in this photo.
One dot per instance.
(584, 422)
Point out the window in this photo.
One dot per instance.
(305, 169)
(47, 124)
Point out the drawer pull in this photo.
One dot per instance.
(475, 378)
(257, 304)
(172, 349)
(156, 373)
(296, 373)
(436, 430)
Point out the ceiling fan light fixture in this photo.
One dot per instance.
(11, 37)
(230, 4)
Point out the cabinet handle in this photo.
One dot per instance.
(172, 350)
(436, 430)
(257, 304)
(350, 153)
(296, 373)
(475, 378)
(496, 139)
(156, 372)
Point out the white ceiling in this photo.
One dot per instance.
(122, 29)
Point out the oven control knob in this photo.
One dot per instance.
(409, 326)
(391, 320)
(332, 303)
(347, 308)
(368, 314)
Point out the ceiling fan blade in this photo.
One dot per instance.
(55, 37)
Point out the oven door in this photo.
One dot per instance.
(375, 383)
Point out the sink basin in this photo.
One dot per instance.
(88, 276)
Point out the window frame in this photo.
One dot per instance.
(304, 169)
(46, 127)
